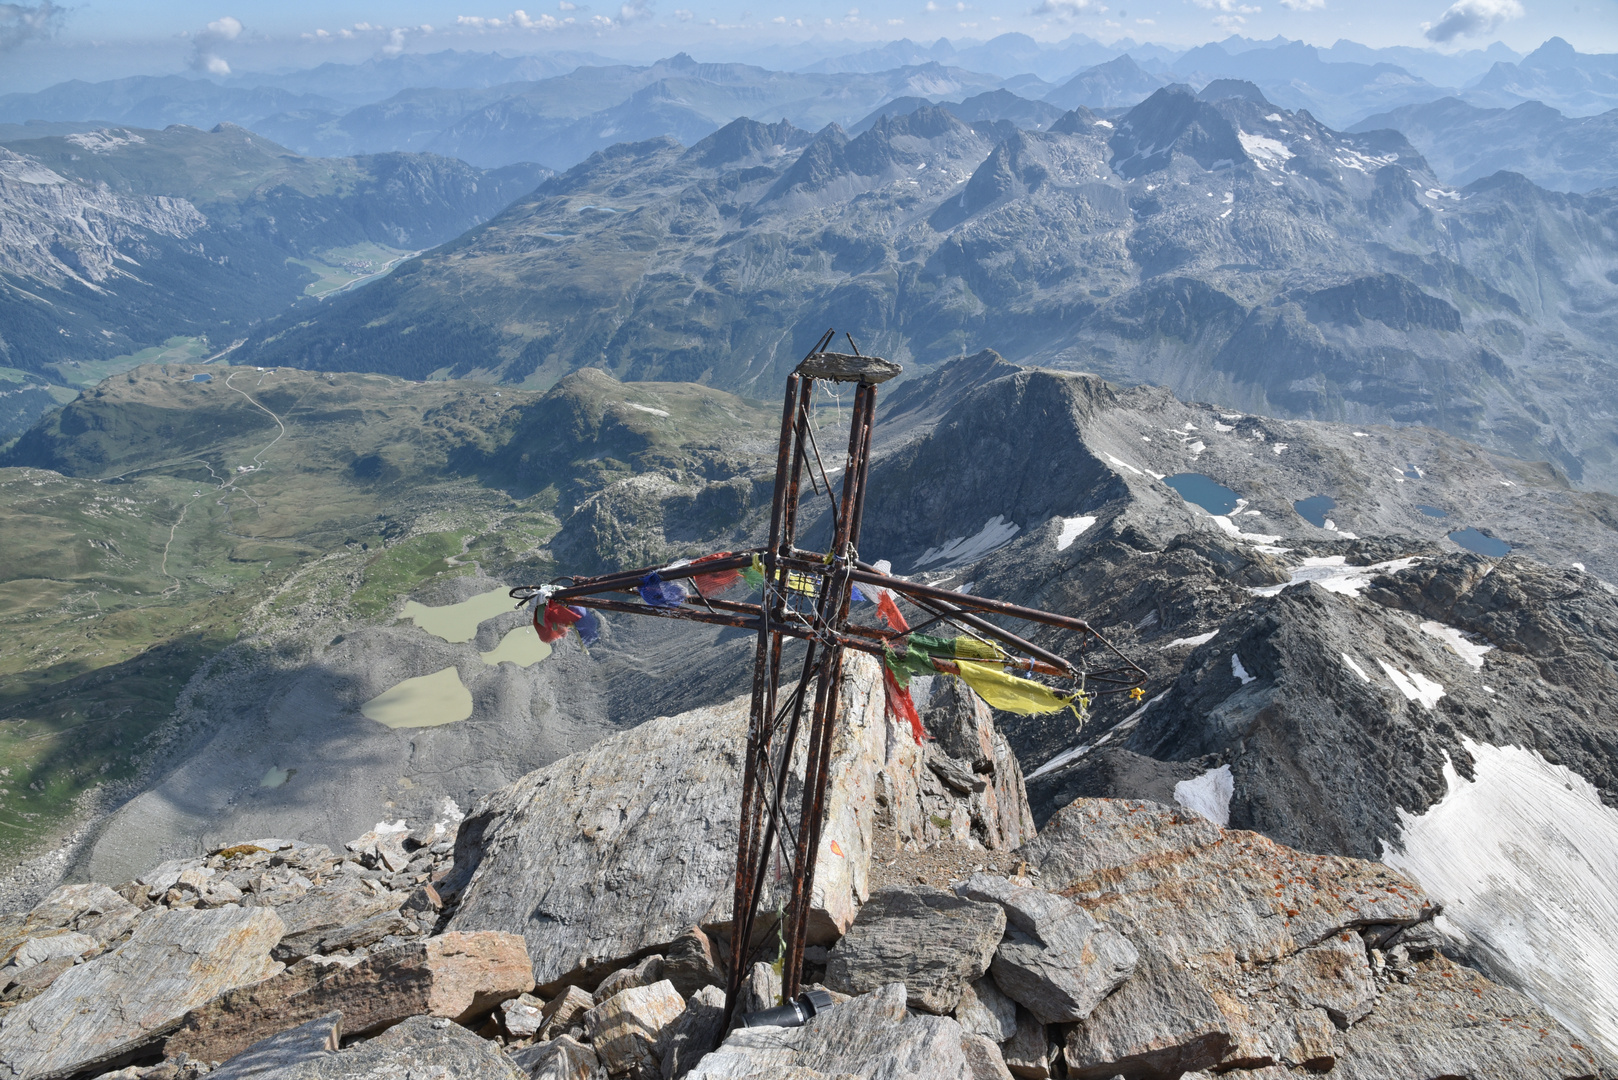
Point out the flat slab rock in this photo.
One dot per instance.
(1449, 1020)
(938, 943)
(174, 962)
(421, 1048)
(616, 851)
(871, 1036)
(1250, 952)
(1056, 961)
(455, 976)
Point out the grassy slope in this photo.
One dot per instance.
(142, 550)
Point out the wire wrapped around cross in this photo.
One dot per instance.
(809, 596)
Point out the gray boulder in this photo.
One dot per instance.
(563, 1058)
(1162, 1022)
(1030, 1053)
(1056, 961)
(936, 942)
(984, 1010)
(618, 850)
(311, 1041)
(422, 1046)
(686, 1040)
(872, 1036)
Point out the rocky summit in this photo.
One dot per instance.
(583, 935)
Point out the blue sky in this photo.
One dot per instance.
(42, 41)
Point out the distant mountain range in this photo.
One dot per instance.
(119, 239)
(558, 108)
(1230, 249)
(1464, 143)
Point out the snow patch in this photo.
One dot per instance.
(1223, 427)
(1229, 528)
(1332, 573)
(1355, 668)
(1240, 672)
(1125, 465)
(1457, 641)
(1361, 434)
(647, 409)
(1193, 642)
(1525, 861)
(996, 533)
(1413, 684)
(1208, 794)
(99, 142)
(1072, 529)
(1264, 150)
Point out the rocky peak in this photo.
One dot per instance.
(743, 140)
(1173, 121)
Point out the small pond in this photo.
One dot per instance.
(1412, 472)
(1207, 493)
(459, 622)
(1432, 511)
(425, 701)
(202, 377)
(520, 646)
(1314, 509)
(1472, 540)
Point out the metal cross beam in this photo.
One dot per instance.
(807, 596)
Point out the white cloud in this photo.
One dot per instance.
(517, 20)
(1468, 18)
(1229, 7)
(206, 43)
(1303, 5)
(1064, 10)
(565, 6)
(686, 15)
(20, 22)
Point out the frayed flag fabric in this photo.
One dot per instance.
(659, 593)
(557, 620)
(900, 705)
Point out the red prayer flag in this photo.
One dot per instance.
(900, 705)
(719, 580)
(890, 613)
(559, 619)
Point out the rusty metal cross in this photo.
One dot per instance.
(807, 595)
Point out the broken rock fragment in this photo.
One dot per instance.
(456, 976)
(1056, 961)
(938, 943)
(1030, 1053)
(984, 1010)
(643, 973)
(522, 1016)
(693, 1034)
(689, 962)
(563, 1058)
(625, 1028)
(565, 1010)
